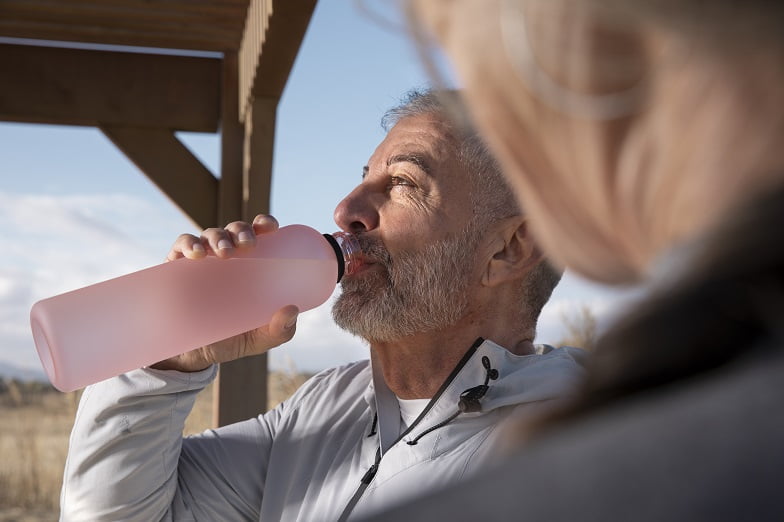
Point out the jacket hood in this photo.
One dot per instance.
(488, 377)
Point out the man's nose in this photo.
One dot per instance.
(356, 212)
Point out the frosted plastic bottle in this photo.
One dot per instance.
(103, 330)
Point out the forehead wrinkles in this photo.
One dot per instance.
(435, 132)
(417, 136)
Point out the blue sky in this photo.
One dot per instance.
(75, 211)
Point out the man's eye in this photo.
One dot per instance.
(395, 181)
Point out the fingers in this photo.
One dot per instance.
(280, 329)
(264, 224)
(186, 245)
(222, 242)
(283, 324)
(238, 234)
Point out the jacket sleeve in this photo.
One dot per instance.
(127, 459)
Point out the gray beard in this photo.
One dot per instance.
(421, 291)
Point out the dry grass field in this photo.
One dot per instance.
(35, 421)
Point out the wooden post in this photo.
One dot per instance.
(246, 167)
(258, 151)
(253, 81)
(139, 100)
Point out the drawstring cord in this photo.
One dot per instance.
(371, 472)
(433, 428)
(469, 401)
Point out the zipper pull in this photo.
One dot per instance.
(368, 476)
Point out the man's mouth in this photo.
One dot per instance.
(360, 264)
(372, 252)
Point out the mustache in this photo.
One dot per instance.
(374, 250)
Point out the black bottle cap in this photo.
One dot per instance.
(339, 254)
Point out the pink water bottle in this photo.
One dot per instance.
(109, 328)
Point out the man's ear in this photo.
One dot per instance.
(513, 252)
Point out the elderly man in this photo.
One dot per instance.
(447, 298)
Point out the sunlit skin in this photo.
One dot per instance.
(412, 192)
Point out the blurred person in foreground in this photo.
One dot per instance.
(644, 140)
(447, 297)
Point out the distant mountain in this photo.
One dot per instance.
(11, 371)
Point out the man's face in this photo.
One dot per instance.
(412, 214)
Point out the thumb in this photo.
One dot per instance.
(282, 325)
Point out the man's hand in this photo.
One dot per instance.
(223, 243)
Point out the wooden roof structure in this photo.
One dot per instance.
(140, 70)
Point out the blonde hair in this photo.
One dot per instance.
(697, 157)
(686, 129)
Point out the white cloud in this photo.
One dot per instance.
(15, 301)
(53, 244)
(102, 234)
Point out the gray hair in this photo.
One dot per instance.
(492, 199)
(491, 196)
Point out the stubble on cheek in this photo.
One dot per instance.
(362, 288)
(364, 304)
(421, 291)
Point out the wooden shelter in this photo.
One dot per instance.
(183, 65)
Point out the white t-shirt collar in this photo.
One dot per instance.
(410, 410)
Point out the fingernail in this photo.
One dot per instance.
(245, 237)
(264, 217)
(198, 248)
(224, 244)
(291, 323)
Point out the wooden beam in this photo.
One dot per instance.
(258, 150)
(282, 41)
(232, 141)
(240, 391)
(272, 37)
(242, 388)
(82, 87)
(11, 8)
(162, 39)
(171, 166)
(187, 16)
(273, 34)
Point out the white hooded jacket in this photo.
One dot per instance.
(333, 451)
